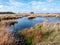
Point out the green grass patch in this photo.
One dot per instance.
(38, 27)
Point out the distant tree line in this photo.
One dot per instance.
(7, 13)
(31, 12)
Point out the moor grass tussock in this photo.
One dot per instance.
(6, 38)
(31, 37)
(42, 34)
(7, 23)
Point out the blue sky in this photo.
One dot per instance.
(27, 6)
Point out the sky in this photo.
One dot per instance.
(27, 6)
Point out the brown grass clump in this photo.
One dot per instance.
(6, 38)
(32, 36)
(31, 17)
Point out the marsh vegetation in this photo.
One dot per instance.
(36, 31)
(42, 34)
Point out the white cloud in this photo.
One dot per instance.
(44, 9)
(15, 3)
(1, 6)
(49, 9)
(50, 0)
(36, 4)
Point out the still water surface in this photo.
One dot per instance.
(27, 23)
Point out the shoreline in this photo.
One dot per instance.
(16, 16)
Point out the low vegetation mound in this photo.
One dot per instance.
(41, 34)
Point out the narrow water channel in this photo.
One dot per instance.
(27, 23)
